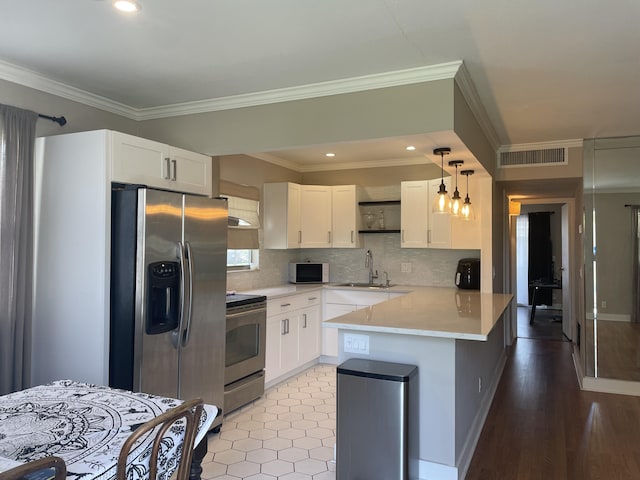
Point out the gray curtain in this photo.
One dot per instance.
(17, 140)
(635, 251)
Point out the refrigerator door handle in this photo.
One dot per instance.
(176, 336)
(187, 328)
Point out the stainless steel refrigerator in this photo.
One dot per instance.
(168, 283)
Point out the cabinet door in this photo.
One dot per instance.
(289, 331)
(414, 214)
(309, 334)
(330, 335)
(139, 161)
(315, 219)
(281, 217)
(439, 224)
(344, 213)
(190, 172)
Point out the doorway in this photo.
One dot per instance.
(551, 318)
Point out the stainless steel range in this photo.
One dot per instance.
(244, 350)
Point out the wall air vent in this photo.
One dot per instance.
(528, 158)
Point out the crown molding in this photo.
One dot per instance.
(470, 94)
(312, 90)
(32, 79)
(29, 78)
(519, 147)
(327, 167)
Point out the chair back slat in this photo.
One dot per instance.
(189, 411)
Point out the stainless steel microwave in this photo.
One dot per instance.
(308, 272)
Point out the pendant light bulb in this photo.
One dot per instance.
(467, 212)
(456, 200)
(441, 202)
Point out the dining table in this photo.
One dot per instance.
(86, 425)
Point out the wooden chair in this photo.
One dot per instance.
(30, 469)
(191, 412)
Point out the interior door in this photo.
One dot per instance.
(566, 270)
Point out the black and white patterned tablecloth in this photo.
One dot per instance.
(86, 425)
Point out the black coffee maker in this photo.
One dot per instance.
(468, 274)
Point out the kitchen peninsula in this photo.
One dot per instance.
(456, 338)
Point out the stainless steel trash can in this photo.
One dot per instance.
(377, 421)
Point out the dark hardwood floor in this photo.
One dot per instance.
(542, 426)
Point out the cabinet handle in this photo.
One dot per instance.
(284, 326)
(175, 170)
(167, 170)
(282, 305)
(428, 236)
(312, 298)
(304, 325)
(351, 236)
(299, 236)
(329, 236)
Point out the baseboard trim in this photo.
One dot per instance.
(611, 317)
(609, 385)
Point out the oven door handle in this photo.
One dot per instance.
(237, 319)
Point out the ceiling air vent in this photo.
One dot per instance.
(525, 158)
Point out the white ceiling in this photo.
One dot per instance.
(544, 70)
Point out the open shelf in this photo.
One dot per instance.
(379, 231)
(380, 202)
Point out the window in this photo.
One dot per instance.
(242, 239)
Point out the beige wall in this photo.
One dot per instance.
(386, 112)
(79, 117)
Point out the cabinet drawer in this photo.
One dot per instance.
(293, 302)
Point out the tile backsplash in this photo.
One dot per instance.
(431, 267)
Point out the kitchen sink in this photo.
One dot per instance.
(363, 285)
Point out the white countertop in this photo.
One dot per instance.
(430, 311)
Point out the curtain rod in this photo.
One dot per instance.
(59, 120)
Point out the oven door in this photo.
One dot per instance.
(245, 343)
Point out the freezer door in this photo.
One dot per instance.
(159, 278)
(203, 337)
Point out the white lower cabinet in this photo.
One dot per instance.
(293, 333)
(339, 302)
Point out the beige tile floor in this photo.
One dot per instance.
(287, 434)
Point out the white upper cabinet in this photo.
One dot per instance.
(419, 227)
(310, 216)
(345, 217)
(414, 214)
(140, 161)
(281, 202)
(315, 216)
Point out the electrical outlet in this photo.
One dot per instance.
(405, 267)
(355, 343)
(603, 304)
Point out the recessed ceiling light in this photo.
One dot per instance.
(129, 6)
(329, 154)
(411, 148)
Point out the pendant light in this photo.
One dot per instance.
(441, 202)
(456, 201)
(467, 212)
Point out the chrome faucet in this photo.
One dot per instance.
(386, 280)
(368, 262)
